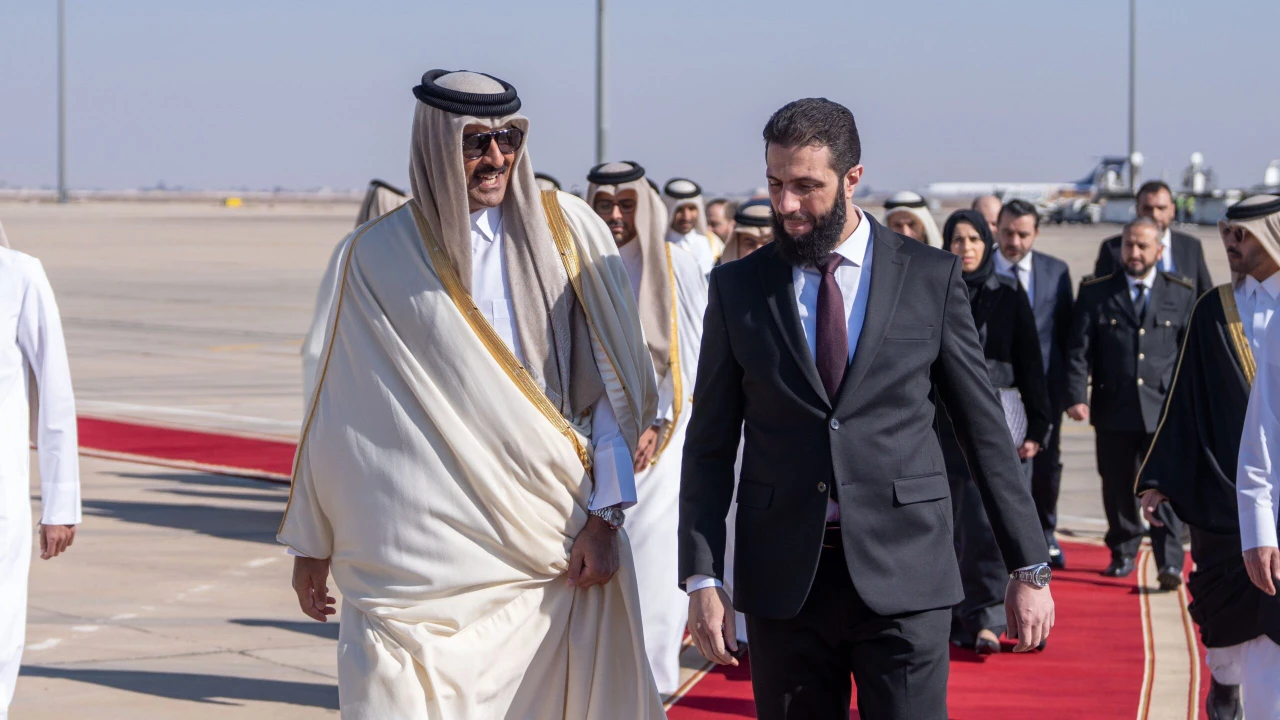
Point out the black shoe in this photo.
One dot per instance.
(1223, 702)
(986, 646)
(1121, 566)
(1170, 578)
(1056, 559)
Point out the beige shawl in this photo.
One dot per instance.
(1266, 228)
(380, 199)
(656, 289)
(749, 213)
(551, 328)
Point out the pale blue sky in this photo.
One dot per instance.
(308, 93)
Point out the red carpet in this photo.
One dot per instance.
(1092, 668)
(213, 452)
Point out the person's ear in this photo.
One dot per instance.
(851, 180)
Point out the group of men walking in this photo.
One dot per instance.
(501, 376)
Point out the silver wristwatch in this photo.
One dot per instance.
(1037, 575)
(612, 515)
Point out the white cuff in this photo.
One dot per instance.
(295, 553)
(1257, 525)
(701, 582)
(615, 477)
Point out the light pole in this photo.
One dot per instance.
(602, 123)
(62, 102)
(1133, 66)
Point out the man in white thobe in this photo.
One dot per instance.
(1258, 488)
(671, 294)
(467, 455)
(688, 215)
(32, 353)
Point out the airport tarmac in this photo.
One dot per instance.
(175, 600)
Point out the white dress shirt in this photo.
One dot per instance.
(1021, 271)
(696, 243)
(1145, 282)
(615, 482)
(1256, 301)
(1257, 488)
(850, 273)
(1166, 260)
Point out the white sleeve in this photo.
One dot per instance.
(1255, 471)
(667, 396)
(615, 478)
(40, 339)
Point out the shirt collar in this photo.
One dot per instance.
(1005, 265)
(1146, 281)
(1167, 239)
(487, 222)
(854, 247)
(1270, 286)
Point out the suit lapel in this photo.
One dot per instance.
(780, 295)
(888, 268)
(1045, 289)
(1125, 295)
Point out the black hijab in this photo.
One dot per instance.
(987, 268)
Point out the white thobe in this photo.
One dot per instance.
(1255, 665)
(31, 348)
(698, 244)
(652, 525)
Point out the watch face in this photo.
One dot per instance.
(1042, 575)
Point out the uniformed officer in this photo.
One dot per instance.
(1126, 333)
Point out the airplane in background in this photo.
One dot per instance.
(1105, 178)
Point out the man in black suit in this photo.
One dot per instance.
(1047, 282)
(1183, 254)
(1126, 335)
(821, 351)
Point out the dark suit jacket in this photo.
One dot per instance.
(1052, 306)
(1131, 362)
(1008, 333)
(1188, 260)
(875, 440)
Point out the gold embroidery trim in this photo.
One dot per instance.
(494, 343)
(1235, 328)
(677, 380)
(573, 267)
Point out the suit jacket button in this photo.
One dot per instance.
(1140, 382)
(822, 487)
(1142, 356)
(1142, 331)
(1168, 323)
(835, 424)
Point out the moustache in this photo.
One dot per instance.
(796, 217)
(487, 169)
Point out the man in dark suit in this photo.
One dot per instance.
(1126, 334)
(821, 351)
(1183, 254)
(1047, 282)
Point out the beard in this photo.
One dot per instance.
(810, 248)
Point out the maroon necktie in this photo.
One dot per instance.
(832, 327)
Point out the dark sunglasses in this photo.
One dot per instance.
(475, 146)
(605, 207)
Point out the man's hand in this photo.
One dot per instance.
(55, 539)
(646, 448)
(1028, 450)
(1079, 413)
(594, 559)
(310, 581)
(1029, 613)
(1151, 500)
(1263, 564)
(712, 625)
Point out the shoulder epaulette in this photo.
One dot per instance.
(1094, 279)
(1186, 282)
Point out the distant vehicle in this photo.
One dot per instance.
(1107, 177)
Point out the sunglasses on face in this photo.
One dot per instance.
(605, 207)
(474, 146)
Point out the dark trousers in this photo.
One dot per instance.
(800, 668)
(1120, 455)
(1046, 479)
